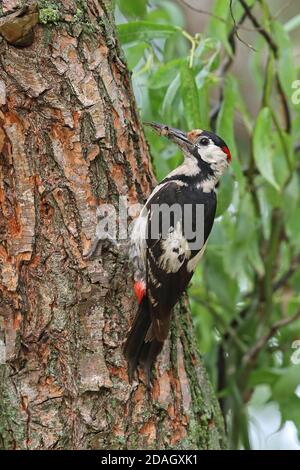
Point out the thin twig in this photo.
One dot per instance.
(236, 29)
(259, 28)
(235, 322)
(286, 276)
(225, 66)
(285, 106)
(255, 350)
(282, 9)
(203, 12)
(212, 15)
(273, 46)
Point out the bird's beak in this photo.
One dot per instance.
(179, 137)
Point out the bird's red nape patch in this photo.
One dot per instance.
(140, 290)
(227, 151)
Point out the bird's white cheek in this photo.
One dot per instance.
(211, 154)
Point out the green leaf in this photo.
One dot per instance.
(265, 376)
(169, 98)
(207, 45)
(257, 63)
(283, 156)
(225, 126)
(218, 28)
(190, 97)
(262, 146)
(265, 208)
(135, 9)
(226, 116)
(143, 31)
(292, 193)
(287, 383)
(166, 10)
(204, 108)
(165, 74)
(286, 63)
(290, 410)
(211, 65)
(254, 255)
(219, 283)
(134, 54)
(236, 256)
(261, 394)
(293, 226)
(225, 193)
(292, 24)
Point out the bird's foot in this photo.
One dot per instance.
(96, 248)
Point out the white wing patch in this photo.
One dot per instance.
(137, 249)
(138, 245)
(175, 250)
(207, 185)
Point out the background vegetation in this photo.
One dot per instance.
(245, 295)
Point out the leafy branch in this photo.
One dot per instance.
(252, 354)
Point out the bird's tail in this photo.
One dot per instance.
(140, 347)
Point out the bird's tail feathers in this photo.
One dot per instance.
(141, 347)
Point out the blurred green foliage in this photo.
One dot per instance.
(245, 294)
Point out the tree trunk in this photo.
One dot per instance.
(71, 139)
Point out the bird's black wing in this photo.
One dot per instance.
(171, 256)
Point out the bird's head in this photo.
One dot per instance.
(207, 147)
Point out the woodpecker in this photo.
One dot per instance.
(164, 258)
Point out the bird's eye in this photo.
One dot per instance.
(204, 141)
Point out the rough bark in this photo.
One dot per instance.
(70, 139)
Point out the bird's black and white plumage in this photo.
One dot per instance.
(163, 247)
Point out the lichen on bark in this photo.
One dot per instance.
(71, 139)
